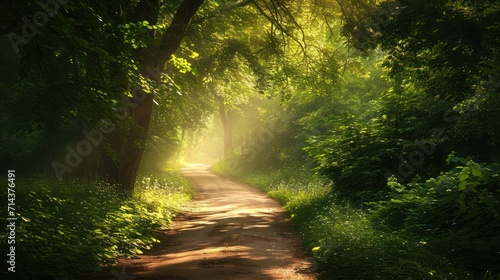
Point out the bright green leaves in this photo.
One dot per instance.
(471, 174)
(182, 64)
(136, 34)
(316, 249)
(71, 229)
(194, 55)
(477, 172)
(392, 183)
(137, 251)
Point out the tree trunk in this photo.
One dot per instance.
(127, 148)
(132, 150)
(108, 168)
(227, 125)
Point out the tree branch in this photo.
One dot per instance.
(172, 38)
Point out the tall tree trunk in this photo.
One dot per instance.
(227, 125)
(128, 150)
(228, 135)
(132, 150)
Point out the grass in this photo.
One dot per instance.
(67, 229)
(345, 241)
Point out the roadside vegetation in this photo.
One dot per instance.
(67, 229)
(430, 230)
(390, 168)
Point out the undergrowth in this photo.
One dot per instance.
(349, 242)
(67, 229)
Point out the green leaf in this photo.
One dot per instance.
(463, 176)
(477, 172)
(137, 251)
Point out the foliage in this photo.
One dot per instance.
(353, 154)
(448, 53)
(347, 242)
(72, 228)
(456, 212)
(357, 91)
(66, 79)
(84, 67)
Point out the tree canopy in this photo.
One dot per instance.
(390, 102)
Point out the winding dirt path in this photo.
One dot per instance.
(232, 231)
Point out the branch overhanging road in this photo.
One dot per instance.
(231, 231)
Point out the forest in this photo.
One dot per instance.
(373, 123)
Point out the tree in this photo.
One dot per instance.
(103, 62)
(152, 59)
(449, 54)
(113, 82)
(232, 67)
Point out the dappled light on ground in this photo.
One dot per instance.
(231, 232)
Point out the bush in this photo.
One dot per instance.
(68, 229)
(346, 241)
(355, 155)
(456, 213)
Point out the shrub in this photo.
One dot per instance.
(345, 241)
(457, 212)
(68, 229)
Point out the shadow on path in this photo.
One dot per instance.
(232, 231)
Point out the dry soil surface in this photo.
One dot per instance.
(231, 231)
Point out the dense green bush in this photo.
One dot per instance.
(355, 154)
(457, 212)
(347, 242)
(67, 229)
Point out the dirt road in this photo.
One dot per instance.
(232, 231)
